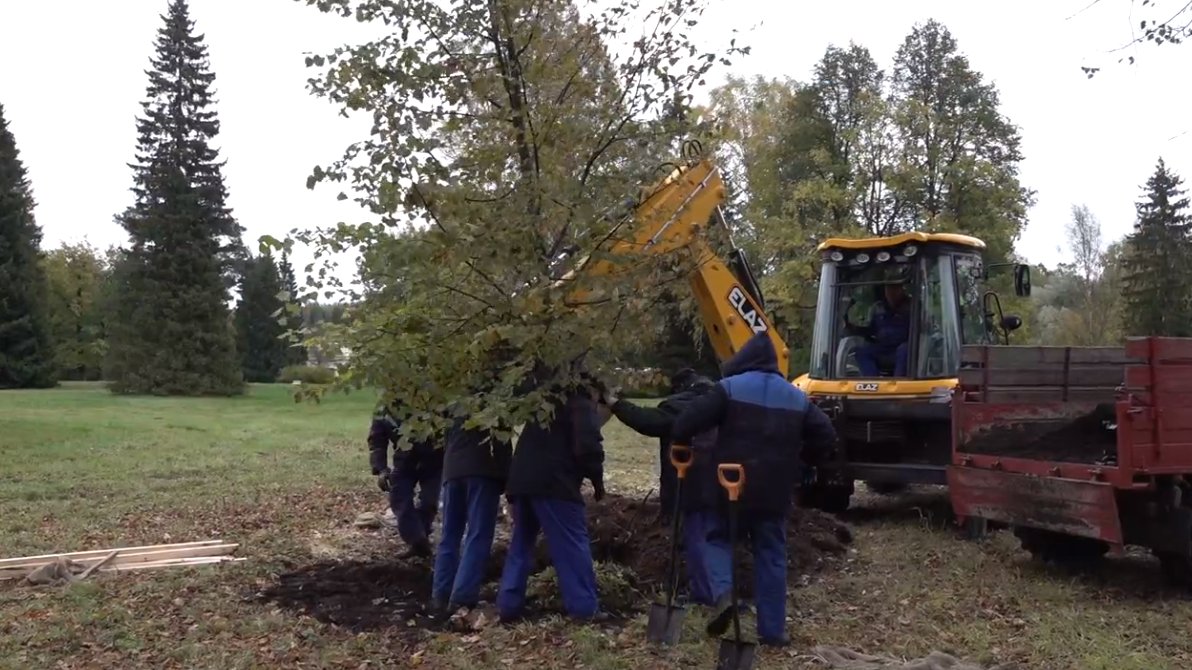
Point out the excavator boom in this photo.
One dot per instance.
(669, 219)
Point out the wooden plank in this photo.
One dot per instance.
(1167, 349)
(142, 556)
(1044, 394)
(176, 563)
(1012, 356)
(1082, 376)
(100, 553)
(19, 573)
(1167, 379)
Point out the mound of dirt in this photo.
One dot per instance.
(627, 532)
(363, 595)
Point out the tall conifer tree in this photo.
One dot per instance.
(171, 332)
(1156, 270)
(26, 351)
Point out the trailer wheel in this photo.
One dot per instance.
(832, 499)
(1176, 567)
(1060, 548)
(886, 488)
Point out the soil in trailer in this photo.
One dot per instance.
(1090, 438)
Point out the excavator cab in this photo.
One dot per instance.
(898, 308)
(891, 316)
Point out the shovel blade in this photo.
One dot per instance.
(736, 655)
(665, 624)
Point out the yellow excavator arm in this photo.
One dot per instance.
(671, 217)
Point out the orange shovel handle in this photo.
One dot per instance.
(681, 457)
(732, 486)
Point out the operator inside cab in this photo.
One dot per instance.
(888, 332)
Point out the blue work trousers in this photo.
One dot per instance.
(767, 535)
(469, 518)
(869, 355)
(415, 520)
(566, 529)
(696, 526)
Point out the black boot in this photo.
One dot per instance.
(419, 550)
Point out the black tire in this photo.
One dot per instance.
(832, 499)
(1177, 568)
(1059, 548)
(886, 488)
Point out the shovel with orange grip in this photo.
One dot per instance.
(735, 654)
(666, 620)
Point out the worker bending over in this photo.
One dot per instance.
(766, 425)
(549, 466)
(699, 494)
(418, 467)
(475, 466)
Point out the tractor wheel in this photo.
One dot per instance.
(832, 499)
(1059, 548)
(1177, 568)
(886, 488)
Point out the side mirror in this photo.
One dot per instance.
(1011, 322)
(1022, 280)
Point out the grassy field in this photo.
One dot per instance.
(83, 469)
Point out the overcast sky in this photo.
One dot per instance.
(73, 77)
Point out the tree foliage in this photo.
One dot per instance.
(171, 330)
(1078, 303)
(1157, 267)
(1160, 22)
(260, 328)
(78, 281)
(507, 133)
(26, 353)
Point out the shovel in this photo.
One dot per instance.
(735, 653)
(666, 620)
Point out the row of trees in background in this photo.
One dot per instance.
(151, 316)
(484, 195)
(1138, 285)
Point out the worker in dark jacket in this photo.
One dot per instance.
(475, 466)
(698, 498)
(418, 467)
(766, 425)
(889, 329)
(549, 466)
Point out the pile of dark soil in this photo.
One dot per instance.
(368, 595)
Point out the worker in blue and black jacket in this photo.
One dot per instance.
(768, 426)
(415, 468)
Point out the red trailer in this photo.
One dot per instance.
(1081, 450)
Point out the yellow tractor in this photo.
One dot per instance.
(891, 316)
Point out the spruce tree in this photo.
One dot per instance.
(1157, 274)
(172, 330)
(259, 332)
(295, 353)
(26, 350)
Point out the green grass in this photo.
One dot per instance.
(82, 469)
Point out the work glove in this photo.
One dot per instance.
(383, 480)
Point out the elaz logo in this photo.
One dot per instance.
(744, 307)
(866, 387)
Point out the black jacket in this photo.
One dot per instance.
(552, 461)
(765, 424)
(699, 491)
(472, 452)
(385, 430)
